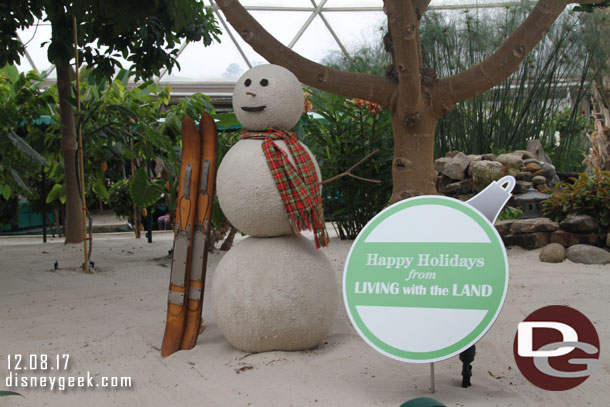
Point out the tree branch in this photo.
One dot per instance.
(350, 169)
(364, 86)
(502, 63)
(403, 23)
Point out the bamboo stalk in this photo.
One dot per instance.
(136, 215)
(80, 154)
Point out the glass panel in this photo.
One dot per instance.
(316, 42)
(277, 3)
(351, 3)
(283, 25)
(216, 63)
(356, 29)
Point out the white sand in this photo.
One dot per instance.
(111, 324)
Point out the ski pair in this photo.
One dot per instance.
(191, 234)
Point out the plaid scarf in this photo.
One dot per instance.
(298, 185)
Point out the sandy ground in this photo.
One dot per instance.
(111, 324)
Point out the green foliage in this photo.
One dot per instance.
(148, 34)
(509, 213)
(21, 104)
(347, 131)
(9, 212)
(119, 200)
(566, 138)
(191, 107)
(143, 192)
(525, 105)
(57, 193)
(587, 195)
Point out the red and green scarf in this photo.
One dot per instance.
(298, 184)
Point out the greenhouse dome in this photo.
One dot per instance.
(316, 29)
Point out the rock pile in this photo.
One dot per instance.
(538, 232)
(461, 176)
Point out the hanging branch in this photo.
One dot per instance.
(350, 169)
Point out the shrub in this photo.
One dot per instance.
(347, 131)
(119, 200)
(588, 195)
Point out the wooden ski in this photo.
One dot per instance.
(183, 237)
(205, 200)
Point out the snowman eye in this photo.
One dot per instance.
(264, 82)
(247, 82)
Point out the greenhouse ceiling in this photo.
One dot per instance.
(313, 28)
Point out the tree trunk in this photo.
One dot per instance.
(413, 165)
(74, 208)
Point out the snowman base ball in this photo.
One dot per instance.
(274, 294)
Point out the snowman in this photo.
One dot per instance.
(274, 290)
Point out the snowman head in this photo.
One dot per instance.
(268, 96)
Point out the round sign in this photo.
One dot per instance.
(425, 279)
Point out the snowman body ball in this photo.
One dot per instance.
(273, 290)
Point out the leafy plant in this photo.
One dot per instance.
(9, 212)
(509, 213)
(22, 103)
(526, 105)
(347, 131)
(119, 200)
(143, 192)
(587, 195)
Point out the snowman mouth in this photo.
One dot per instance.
(253, 109)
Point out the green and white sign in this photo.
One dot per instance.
(425, 279)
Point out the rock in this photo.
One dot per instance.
(442, 182)
(516, 153)
(553, 253)
(513, 160)
(503, 226)
(489, 157)
(530, 160)
(567, 239)
(521, 187)
(525, 154)
(533, 225)
(539, 179)
(459, 188)
(535, 147)
(585, 254)
(475, 157)
(452, 153)
(274, 294)
(483, 173)
(508, 170)
(542, 187)
(608, 240)
(538, 173)
(549, 172)
(524, 176)
(247, 192)
(533, 167)
(528, 241)
(579, 224)
(465, 197)
(439, 164)
(456, 167)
